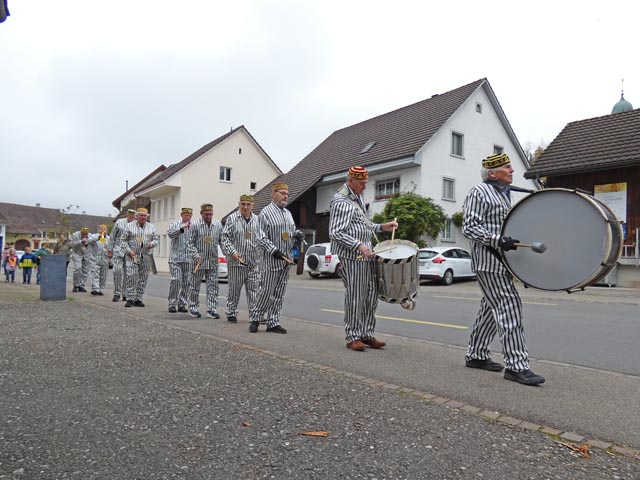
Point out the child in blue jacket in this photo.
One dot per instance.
(26, 263)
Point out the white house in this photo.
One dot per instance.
(433, 148)
(217, 173)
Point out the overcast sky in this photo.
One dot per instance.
(96, 93)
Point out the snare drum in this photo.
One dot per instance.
(582, 235)
(397, 272)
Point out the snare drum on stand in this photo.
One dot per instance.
(397, 272)
(582, 235)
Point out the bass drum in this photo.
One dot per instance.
(582, 235)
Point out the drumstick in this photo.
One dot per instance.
(537, 247)
(288, 260)
(393, 232)
(195, 270)
(360, 257)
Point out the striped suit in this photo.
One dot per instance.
(203, 243)
(137, 239)
(485, 209)
(100, 265)
(279, 228)
(349, 227)
(82, 257)
(118, 255)
(241, 236)
(179, 265)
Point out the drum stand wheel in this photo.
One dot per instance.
(409, 304)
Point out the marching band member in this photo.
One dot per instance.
(239, 243)
(485, 210)
(138, 240)
(179, 262)
(280, 232)
(81, 244)
(204, 239)
(100, 262)
(115, 253)
(350, 231)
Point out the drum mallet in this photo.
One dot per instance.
(537, 247)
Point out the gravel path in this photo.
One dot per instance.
(91, 394)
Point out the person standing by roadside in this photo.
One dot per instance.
(484, 211)
(204, 239)
(10, 264)
(115, 253)
(43, 250)
(100, 262)
(27, 263)
(280, 232)
(240, 236)
(179, 262)
(81, 245)
(137, 242)
(350, 231)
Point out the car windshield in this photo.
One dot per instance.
(427, 254)
(317, 249)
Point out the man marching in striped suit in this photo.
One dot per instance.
(204, 238)
(279, 234)
(117, 255)
(138, 240)
(179, 262)
(82, 255)
(485, 210)
(350, 231)
(100, 262)
(240, 236)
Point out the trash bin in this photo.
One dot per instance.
(53, 277)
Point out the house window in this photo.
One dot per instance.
(478, 107)
(457, 144)
(225, 174)
(447, 231)
(165, 202)
(497, 150)
(253, 185)
(448, 189)
(173, 206)
(387, 188)
(367, 147)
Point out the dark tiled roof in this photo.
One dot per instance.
(176, 167)
(600, 143)
(145, 181)
(396, 134)
(27, 219)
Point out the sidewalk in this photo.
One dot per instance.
(93, 390)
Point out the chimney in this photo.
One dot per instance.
(37, 204)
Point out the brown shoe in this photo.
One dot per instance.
(373, 343)
(357, 345)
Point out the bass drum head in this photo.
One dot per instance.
(576, 231)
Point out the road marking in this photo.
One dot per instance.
(477, 299)
(422, 322)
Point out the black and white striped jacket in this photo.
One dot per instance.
(115, 236)
(203, 242)
(485, 210)
(136, 238)
(278, 227)
(179, 240)
(242, 237)
(349, 226)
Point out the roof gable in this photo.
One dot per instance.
(27, 219)
(599, 143)
(146, 180)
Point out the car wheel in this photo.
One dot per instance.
(314, 275)
(447, 279)
(338, 272)
(313, 261)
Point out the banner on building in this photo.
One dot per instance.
(614, 196)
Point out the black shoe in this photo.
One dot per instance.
(101, 294)
(526, 377)
(276, 329)
(194, 314)
(211, 314)
(138, 303)
(172, 310)
(487, 364)
(232, 319)
(253, 327)
(75, 289)
(116, 298)
(183, 310)
(82, 289)
(129, 303)
(95, 292)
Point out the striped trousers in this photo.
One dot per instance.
(135, 277)
(179, 283)
(195, 279)
(99, 277)
(118, 275)
(240, 276)
(82, 265)
(273, 285)
(360, 299)
(500, 312)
